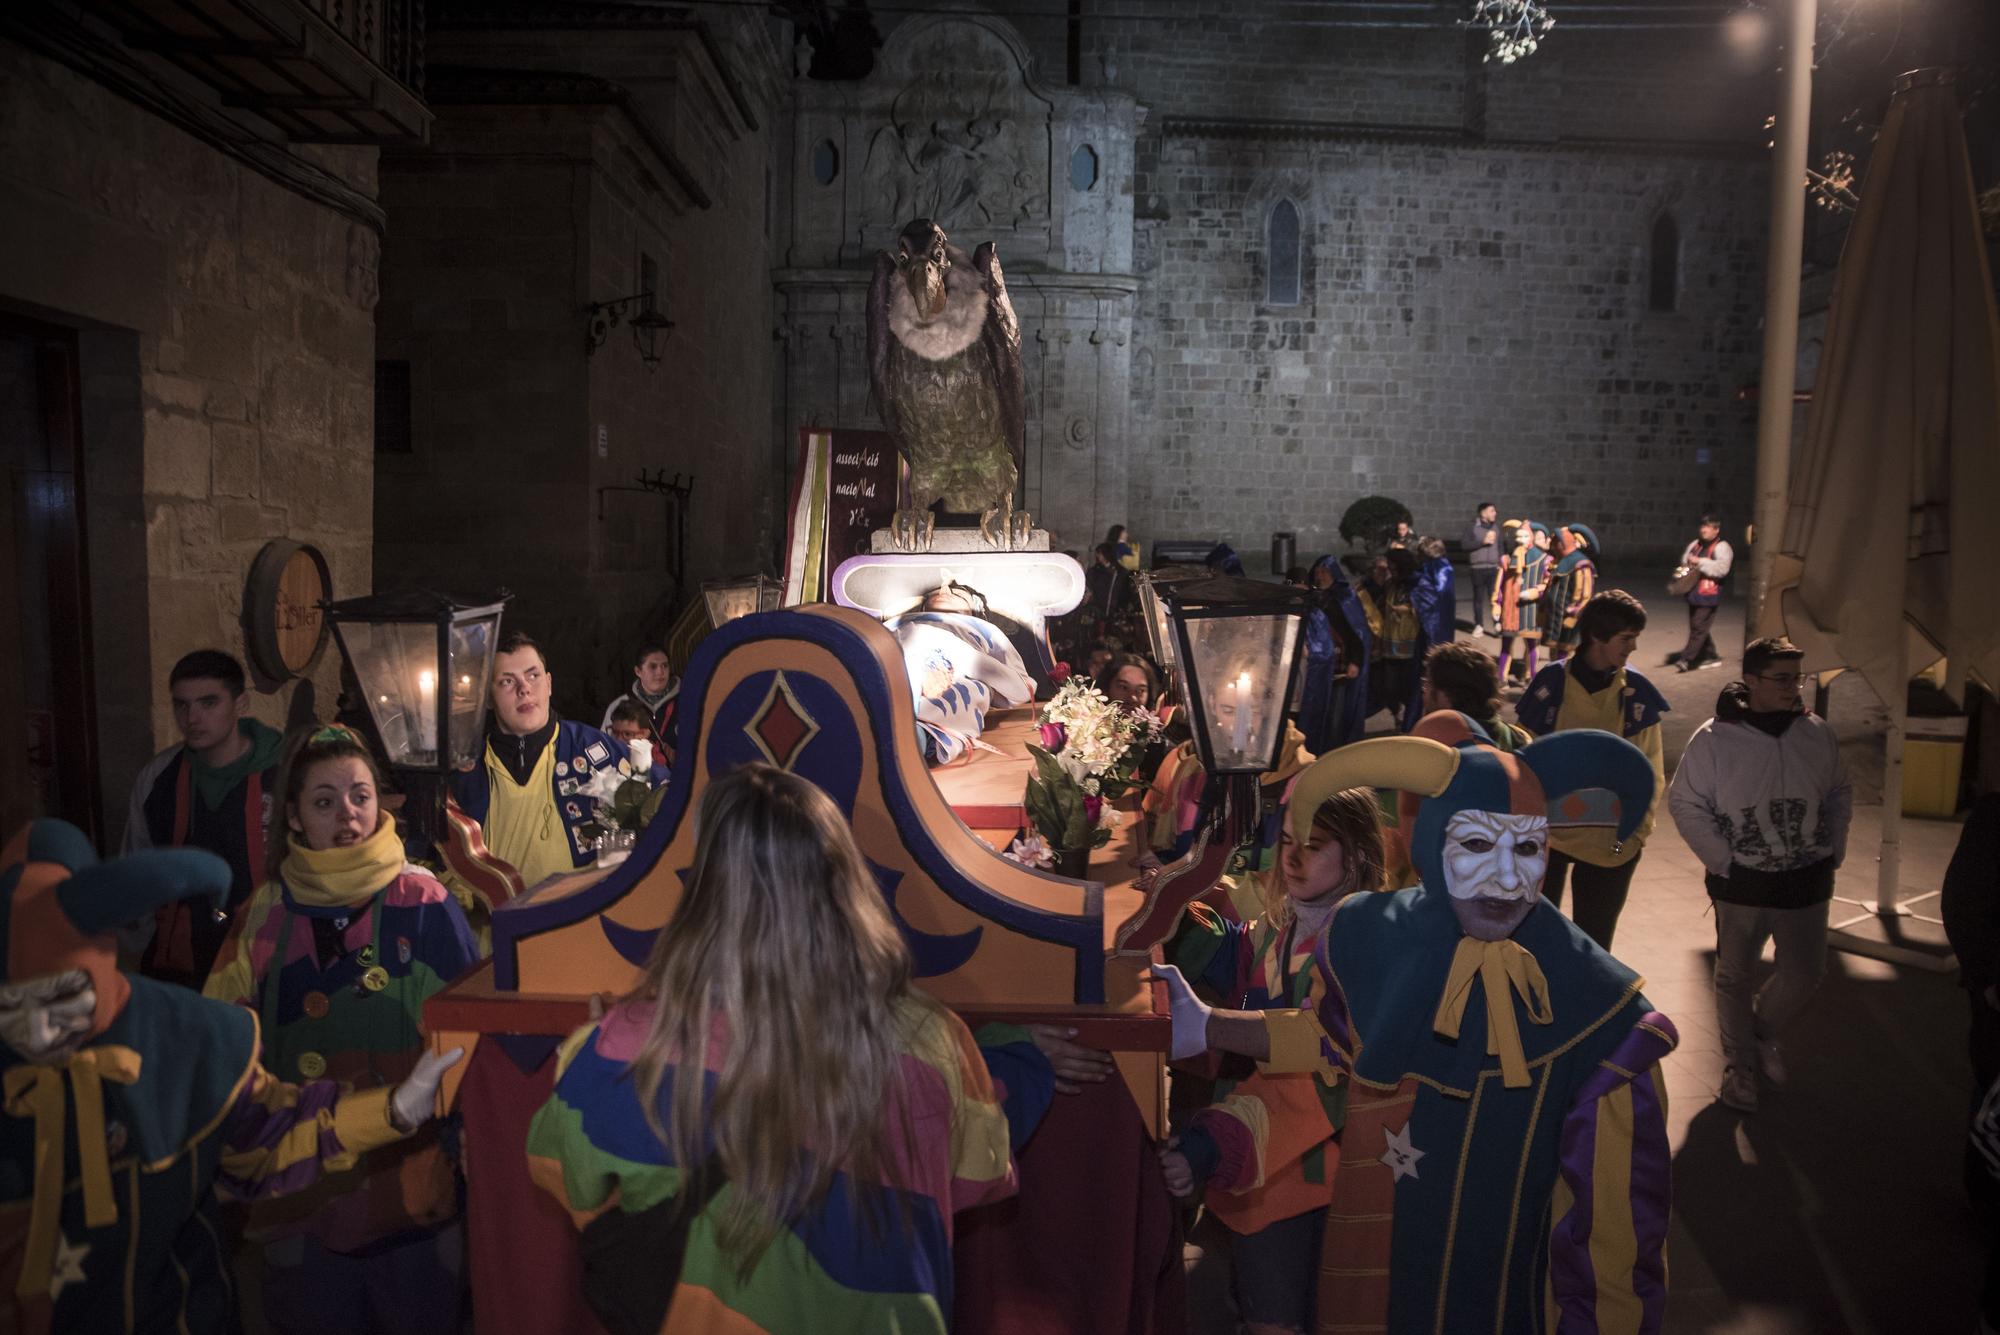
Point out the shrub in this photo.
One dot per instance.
(1371, 516)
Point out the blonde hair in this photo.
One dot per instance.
(785, 935)
(1350, 818)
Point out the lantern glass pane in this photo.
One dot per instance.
(1242, 667)
(472, 644)
(396, 664)
(726, 602)
(1159, 628)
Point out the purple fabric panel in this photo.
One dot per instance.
(1332, 1004)
(527, 1051)
(1239, 1149)
(1652, 1197)
(1570, 1270)
(1641, 1050)
(254, 1126)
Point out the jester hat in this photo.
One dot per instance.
(1448, 765)
(58, 904)
(1586, 534)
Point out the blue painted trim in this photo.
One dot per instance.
(1083, 934)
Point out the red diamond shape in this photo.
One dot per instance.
(781, 729)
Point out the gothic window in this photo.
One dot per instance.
(1083, 168)
(1282, 283)
(825, 162)
(1665, 291)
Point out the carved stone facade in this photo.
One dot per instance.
(954, 126)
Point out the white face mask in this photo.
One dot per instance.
(1496, 856)
(45, 1020)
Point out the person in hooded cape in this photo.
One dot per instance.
(1572, 583)
(1504, 1155)
(1333, 697)
(1434, 595)
(129, 1104)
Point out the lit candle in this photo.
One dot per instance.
(1241, 735)
(426, 711)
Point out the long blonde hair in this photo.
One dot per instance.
(1350, 818)
(784, 934)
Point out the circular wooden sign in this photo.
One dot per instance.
(284, 628)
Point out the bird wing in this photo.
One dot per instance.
(1002, 336)
(880, 288)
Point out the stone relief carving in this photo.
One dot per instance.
(956, 151)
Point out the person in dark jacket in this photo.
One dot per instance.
(1333, 696)
(211, 791)
(1482, 553)
(1763, 799)
(1711, 559)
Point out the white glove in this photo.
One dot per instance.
(1190, 1014)
(414, 1102)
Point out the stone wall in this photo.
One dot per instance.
(1474, 325)
(563, 159)
(227, 365)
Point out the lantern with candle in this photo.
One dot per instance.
(424, 665)
(1235, 645)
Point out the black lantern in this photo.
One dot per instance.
(728, 599)
(424, 664)
(1236, 650)
(1153, 609)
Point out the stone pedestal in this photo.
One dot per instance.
(954, 541)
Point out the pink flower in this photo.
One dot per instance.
(1091, 807)
(1060, 674)
(1054, 736)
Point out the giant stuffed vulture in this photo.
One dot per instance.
(944, 361)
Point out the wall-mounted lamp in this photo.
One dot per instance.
(649, 325)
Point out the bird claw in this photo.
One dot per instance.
(910, 530)
(1010, 532)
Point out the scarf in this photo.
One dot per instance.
(1497, 965)
(331, 878)
(653, 702)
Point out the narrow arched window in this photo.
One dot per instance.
(1282, 285)
(1664, 293)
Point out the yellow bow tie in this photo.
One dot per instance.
(37, 1091)
(1498, 965)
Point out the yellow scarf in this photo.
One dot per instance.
(37, 1092)
(1497, 965)
(336, 878)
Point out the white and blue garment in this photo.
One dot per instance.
(960, 666)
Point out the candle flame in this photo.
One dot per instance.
(425, 680)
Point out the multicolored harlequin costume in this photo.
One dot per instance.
(111, 1160)
(1572, 583)
(337, 957)
(1519, 1184)
(1290, 1120)
(859, 1261)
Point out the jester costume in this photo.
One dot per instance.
(111, 1160)
(866, 1258)
(1517, 598)
(337, 957)
(1504, 1156)
(1572, 583)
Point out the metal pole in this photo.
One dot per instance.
(1782, 262)
(1890, 872)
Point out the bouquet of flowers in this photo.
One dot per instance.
(624, 805)
(1089, 752)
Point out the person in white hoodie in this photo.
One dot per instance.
(1762, 798)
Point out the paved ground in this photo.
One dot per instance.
(1838, 1206)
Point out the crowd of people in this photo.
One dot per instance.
(731, 1169)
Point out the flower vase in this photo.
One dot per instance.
(614, 846)
(1073, 863)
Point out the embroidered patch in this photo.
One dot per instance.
(68, 1268)
(574, 809)
(598, 753)
(562, 768)
(403, 949)
(569, 787)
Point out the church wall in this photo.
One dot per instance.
(226, 363)
(1474, 325)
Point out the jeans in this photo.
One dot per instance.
(1745, 1012)
(1483, 580)
(1277, 1271)
(1600, 893)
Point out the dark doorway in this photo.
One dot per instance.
(48, 729)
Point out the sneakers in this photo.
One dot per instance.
(1707, 663)
(1739, 1089)
(1771, 1058)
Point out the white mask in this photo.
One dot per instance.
(1495, 855)
(45, 1020)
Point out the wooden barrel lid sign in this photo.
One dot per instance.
(284, 628)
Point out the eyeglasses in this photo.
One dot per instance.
(1780, 678)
